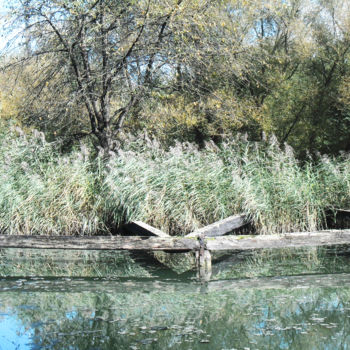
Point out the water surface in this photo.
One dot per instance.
(294, 300)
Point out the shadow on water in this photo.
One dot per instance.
(139, 304)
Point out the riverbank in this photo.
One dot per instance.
(45, 191)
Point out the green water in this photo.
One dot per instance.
(294, 300)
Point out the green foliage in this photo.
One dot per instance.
(178, 189)
(187, 71)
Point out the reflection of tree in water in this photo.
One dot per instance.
(257, 318)
(283, 262)
(56, 262)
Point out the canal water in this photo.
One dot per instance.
(295, 299)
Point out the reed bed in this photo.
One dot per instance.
(178, 189)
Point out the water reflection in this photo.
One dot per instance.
(124, 302)
(13, 335)
(265, 313)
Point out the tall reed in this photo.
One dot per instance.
(44, 192)
(178, 189)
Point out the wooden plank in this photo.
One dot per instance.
(142, 229)
(99, 243)
(177, 244)
(221, 227)
(287, 240)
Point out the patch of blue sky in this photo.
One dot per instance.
(7, 33)
(3, 36)
(13, 334)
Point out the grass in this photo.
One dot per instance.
(179, 189)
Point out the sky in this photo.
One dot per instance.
(3, 38)
(2, 12)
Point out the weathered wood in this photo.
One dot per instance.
(221, 227)
(142, 229)
(99, 243)
(287, 240)
(178, 244)
(203, 258)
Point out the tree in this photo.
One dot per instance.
(190, 70)
(97, 58)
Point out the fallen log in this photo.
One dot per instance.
(176, 244)
(286, 240)
(202, 245)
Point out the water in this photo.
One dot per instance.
(295, 300)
